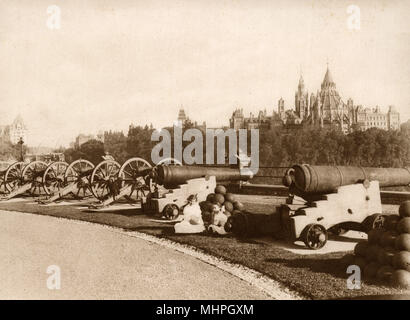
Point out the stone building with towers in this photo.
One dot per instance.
(15, 131)
(183, 120)
(325, 109)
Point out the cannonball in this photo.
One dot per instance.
(230, 197)
(370, 270)
(401, 278)
(347, 260)
(403, 226)
(210, 197)
(404, 209)
(388, 238)
(220, 189)
(374, 235)
(238, 206)
(219, 199)
(384, 273)
(361, 248)
(372, 252)
(403, 242)
(360, 262)
(228, 206)
(401, 260)
(390, 222)
(385, 256)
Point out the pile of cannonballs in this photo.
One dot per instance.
(222, 199)
(386, 254)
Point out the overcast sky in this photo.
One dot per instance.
(116, 62)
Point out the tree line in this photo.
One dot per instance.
(279, 147)
(373, 147)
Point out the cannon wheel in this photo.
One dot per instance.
(314, 236)
(135, 172)
(170, 211)
(3, 168)
(104, 179)
(79, 172)
(33, 173)
(13, 176)
(53, 178)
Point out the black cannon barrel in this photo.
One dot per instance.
(322, 179)
(174, 175)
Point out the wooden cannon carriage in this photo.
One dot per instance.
(22, 177)
(107, 182)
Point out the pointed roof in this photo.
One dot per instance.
(328, 77)
(18, 121)
(301, 86)
(301, 81)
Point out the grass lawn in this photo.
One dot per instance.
(317, 276)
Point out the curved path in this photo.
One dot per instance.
(98, 264)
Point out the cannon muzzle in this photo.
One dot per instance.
(326, 179)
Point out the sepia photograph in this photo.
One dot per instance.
(204, 156)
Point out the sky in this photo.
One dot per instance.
(116, 62)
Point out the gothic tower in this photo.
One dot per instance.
(302, 100)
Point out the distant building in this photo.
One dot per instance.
(46, 157)
(373, 118)
(184, 121)
(83, 138)
(182, 118)
(261, 121)
(326, 109)
(14, 132)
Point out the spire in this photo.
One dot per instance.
(301, 81)
(328, 77)
(301, 86)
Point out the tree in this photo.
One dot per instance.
(139, 142)
(115, 143)
(93, 150)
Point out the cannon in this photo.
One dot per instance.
(61, 179)
(175, 175)
(3, 169)
(12, 177)
(335, 199)
(22, 178)
(173, 184)
(53, 177)
(111, 181)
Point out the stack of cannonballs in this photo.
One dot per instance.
(386, 254)
(221, 198)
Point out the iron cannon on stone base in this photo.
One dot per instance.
(336, 199)
(175, 183)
